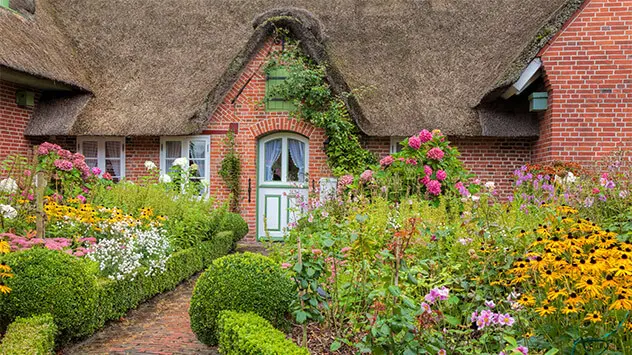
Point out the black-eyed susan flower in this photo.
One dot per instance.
(526, 300)
(545, 310)
(5, 248)
(569, 309)
(4, 288)
(593, 317)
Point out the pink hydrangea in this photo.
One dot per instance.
(411, 161)
(441, 175)
(425, 136)
(414, 142)
(66, 154)
(47, 147)
(386, 161)
(63, 164)
(107, 176)
(96, 170)
(367, 175)
(425, 180)
(427, 170)
(344, 181)
(435, 154)
(434, 187)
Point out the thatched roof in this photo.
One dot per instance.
(31, 42)
(160, 67)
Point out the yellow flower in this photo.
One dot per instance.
(590, 285)
(4, 288)
(593, 317)
(553, 294)
(4, 267)
(526, 300)
(545, 310)
(5, 248)
(622, 302)
(569, 309)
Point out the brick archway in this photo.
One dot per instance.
(281, 124)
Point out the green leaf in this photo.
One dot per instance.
(301, 316)
(452, 300)
(328, 243)
(310, 271)
(298, 267)
(394, 290)
(452, 320)
(511, 340)
(552, 351)
(335, 346)
(412, 279)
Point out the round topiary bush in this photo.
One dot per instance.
(234, 222)
(240, 282)
(48, 281)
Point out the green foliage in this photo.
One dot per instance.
(307, 89)
(242, 282)
(190, 219)
(53, 282)
(30, 336)
(230, 171)
(250, 334)
(235, 223)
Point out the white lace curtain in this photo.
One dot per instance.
(272, 153)
(297, 153)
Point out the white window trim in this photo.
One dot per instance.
(101, 150)
(394, 143)
(183, 139)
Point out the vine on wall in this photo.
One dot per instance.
(230, 171)
(307, 89)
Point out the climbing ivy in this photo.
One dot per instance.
(230, 171)
(314, 101)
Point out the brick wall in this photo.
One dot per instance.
(13, 121)
(138, 150)
(490, 158)
(588, 68)
(243, 112)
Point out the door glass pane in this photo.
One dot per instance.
(296, 161)
(90, 149)
(173, 152)
(272, 160)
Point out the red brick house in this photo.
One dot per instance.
(129, 81)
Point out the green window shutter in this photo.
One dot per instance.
(4, 3)
(274, 104)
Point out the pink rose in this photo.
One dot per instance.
(414, 142)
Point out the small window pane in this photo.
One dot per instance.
(92, 162)
(90, 149)
(272, 160)
(113, 167)
(112, 149)
(174, 149)
(296, 161)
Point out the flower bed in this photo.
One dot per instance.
(87, 250)
(392, 266)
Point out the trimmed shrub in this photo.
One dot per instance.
(48, 281)
(219, 246)
(234, 222)
(241, 282)
(30, 336)
(249, 334)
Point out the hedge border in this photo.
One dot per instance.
(30, 336)
(251, 334)
(116, 298)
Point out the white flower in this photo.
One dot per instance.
(183, 163)
(8, 211)
(194, 167)
(149, 165)
(490, 185)
(8, 185)
(475, 198)
(165, 178)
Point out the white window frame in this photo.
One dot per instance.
(101, 150)
(395, 144)
(185, 153)
(284, 136)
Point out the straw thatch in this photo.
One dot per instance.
(161, 67)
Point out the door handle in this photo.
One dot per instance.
(249, 188)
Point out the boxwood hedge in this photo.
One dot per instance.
(30, 336)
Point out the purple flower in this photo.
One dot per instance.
(505, 319)
(523, 349)
(490, 304)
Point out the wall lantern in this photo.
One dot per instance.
(538, 101)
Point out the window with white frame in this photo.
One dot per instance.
(395, 146)
(195, 148)
(106, 153)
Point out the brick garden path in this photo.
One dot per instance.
(159, 326)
